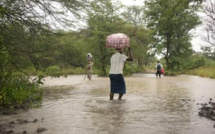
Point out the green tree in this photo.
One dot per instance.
(103, 20)
(171, 22)
(71, 50)
(25, 26)
(140, 36)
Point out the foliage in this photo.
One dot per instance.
(53, 71)
(208, 52)
(203, 71)
(56, 71)
(24, 24)
(106, 18)
(103, 20)
(27, 39)
(209, 63)
(171, 73)
(19, 92)
(71, 50)
(201, 65)
(140, 36)
(171, 22)
(131, 68)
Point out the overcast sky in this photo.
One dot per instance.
(134, 2)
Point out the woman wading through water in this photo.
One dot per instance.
(117, 83)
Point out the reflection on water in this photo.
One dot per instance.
(152, 106)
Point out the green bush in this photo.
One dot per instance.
(203, 72)
(170, 73)
(19, 92)
(53, 71)
(77, 70)
(130, 68)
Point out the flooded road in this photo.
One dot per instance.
(75, 105)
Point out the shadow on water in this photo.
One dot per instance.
(75, 105)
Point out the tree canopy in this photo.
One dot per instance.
(171, 22)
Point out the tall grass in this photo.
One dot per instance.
(56, 71)
(203, 72)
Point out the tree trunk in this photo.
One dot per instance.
(139, 62)
(104, 69)
(168, 47)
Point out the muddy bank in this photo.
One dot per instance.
(8, 128)
(208, 110)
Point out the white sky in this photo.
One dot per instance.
(131, 2)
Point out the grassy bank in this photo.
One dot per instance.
(203, 72)
(56, 71)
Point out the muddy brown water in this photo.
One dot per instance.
(75, 105)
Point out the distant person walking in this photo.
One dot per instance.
(158, 68)
(89, 57)
(117, 83)
(89, 66)
(89, 70)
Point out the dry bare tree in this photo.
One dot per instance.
(209, 21)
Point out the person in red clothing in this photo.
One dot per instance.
(158, 68)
